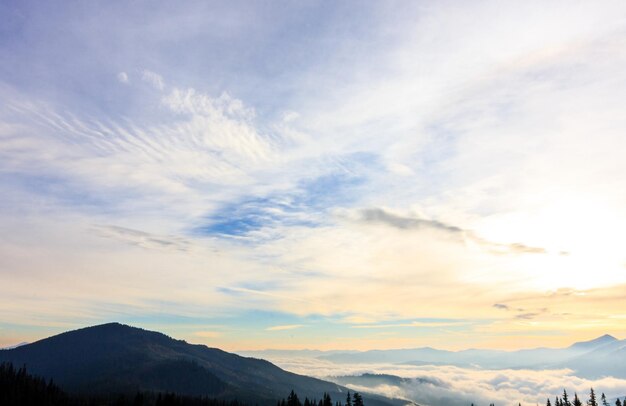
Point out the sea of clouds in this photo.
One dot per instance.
(451, 386)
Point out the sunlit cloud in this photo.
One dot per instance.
(435, 385)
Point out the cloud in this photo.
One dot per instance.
(379, 215)
(501, 306)
(153, 79)
(215, 158)
(143, 239)
(285, 327)
(183, 159)
(526, 316)
(437, 385)
(191, 102)
(122, 77)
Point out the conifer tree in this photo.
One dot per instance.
(357, 399)
(292, 399)
(603, 399)
(592, 398)
(548, 402)
(577, 401)
(619, 402)
(565, 401)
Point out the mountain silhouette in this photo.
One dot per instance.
(602, 356)
(116, 358)
(595, 343)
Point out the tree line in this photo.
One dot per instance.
(292, 400)
(564, 400)
(19, 388)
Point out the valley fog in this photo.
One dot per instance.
(450, 385)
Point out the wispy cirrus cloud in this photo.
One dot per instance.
(153, 79)
(317, 166)
(143, 239)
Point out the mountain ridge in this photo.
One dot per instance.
(602, 356)
(114, 357)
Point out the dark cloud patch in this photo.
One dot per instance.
(406, 223)
(381, 216)
(527, 316)
(501, 306)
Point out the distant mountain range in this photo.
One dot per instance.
(603, 356)
(115, 358)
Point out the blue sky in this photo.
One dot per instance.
(314, 174)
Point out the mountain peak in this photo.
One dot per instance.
(596, 342)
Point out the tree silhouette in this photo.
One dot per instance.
(604, 401)
(592, 398)
(292, 399)
(577, 401)
(565, 400)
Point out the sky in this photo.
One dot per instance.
(328, 175)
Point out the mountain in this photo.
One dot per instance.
(595, 343)
(425, 354)
(603, 356)
(606, 357)
(113, 358)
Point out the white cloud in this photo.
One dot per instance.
(438, 385)
(153, 79)
(123, 77)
